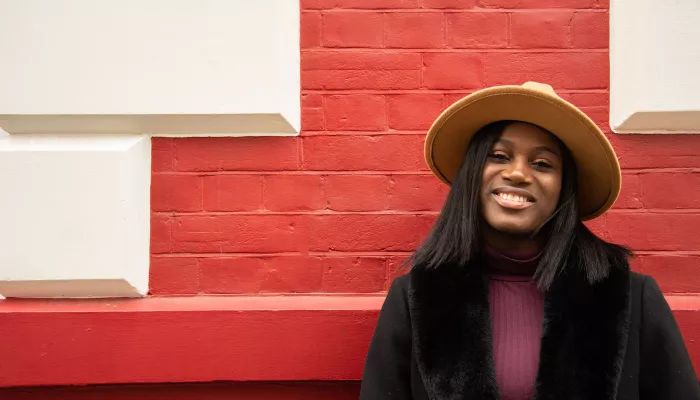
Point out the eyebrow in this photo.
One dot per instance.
(538, 148)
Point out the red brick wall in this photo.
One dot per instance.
(338, 208)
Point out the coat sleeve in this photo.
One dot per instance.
(387, 370)
(666, 371)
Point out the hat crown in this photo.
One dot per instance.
(540, 87)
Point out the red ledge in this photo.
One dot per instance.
(204, 339)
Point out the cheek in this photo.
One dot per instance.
(551, 189)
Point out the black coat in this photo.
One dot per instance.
(613, 340)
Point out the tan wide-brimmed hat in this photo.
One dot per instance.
(536, 103)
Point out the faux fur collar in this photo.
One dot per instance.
(584, 335)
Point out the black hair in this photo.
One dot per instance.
(456, 237)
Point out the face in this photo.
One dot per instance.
(521, 181)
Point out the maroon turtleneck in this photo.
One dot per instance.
(517, 309)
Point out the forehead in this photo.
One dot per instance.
(525, 135)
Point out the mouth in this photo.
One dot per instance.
(514, 199)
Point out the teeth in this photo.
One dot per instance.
(512, 197)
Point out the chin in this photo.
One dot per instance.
(512, 226)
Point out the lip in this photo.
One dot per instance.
(513, 205)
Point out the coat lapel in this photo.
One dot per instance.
(583, 341)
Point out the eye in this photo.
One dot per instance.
(542, 164)
(499, 157)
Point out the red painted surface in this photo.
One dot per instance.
(207, 391)
(196, 339)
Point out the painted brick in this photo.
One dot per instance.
(359, 59)
(355, 112)
(294, 192)
(353, 274)
(357, 192)
(362, 4)
(674, 273)
(477, 29)
(589, 99)
(237, 154)
(414, 111)
(414, 30)
(313, 119)
(161, 233)
(161, 154)
(453, 71)
(631, 193)
(654, 231)
(417, 193)
(310, 30)
(671, 190)
(541, 29)
(598, 227)
(360, 79)
(233, 192)
(537, 4)
(236, 234)
(669, 151)
(561, 70)
(455, 4)
(236, 275)
(364, 153)
(176, 192)
(591, 30)
(396, 266)
(599, 115)
(173, 275)
(366, 232)
(352, 29)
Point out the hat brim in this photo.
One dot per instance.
(599, 176)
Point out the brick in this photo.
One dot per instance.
(541, 29)
(414, 30)
(309, 100)
(537, 4)
(396, 266)
(161, 227)
(237, 154)
(654, 231)
(310, 35)
(173, 276)
(561, 70)
(313, 119)
(631, 193)
(357, 192)
(161, 154)
(477, 30)
(236, 234)
(364, 153)
(232, 192)
(352, 29)
(414, 111)
(355, 112)
(671, 190)
(457, 4)
(366, 4)
(360, 59)
(239, 275)
(360, 79)
(599, 115)
(591, 30)
(598, 227)
(453, 71)
(669, 151)
(353, 274)
(176, 192)
(674, 273)
(367, 232)
(417, 193)
(294, 192)
(589, 99)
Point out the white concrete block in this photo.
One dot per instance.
(164, 67)
(74, 215)
(654, 64)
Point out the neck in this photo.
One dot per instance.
(510, 244)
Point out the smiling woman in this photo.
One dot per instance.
(511, 296)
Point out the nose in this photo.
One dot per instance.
(518, 171)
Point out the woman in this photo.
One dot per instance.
(511, 297)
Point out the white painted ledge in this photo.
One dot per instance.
(75, 215)
(654, 64)
(160, 67)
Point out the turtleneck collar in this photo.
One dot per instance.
(515, 264)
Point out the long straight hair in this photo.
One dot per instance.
(456, 238)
